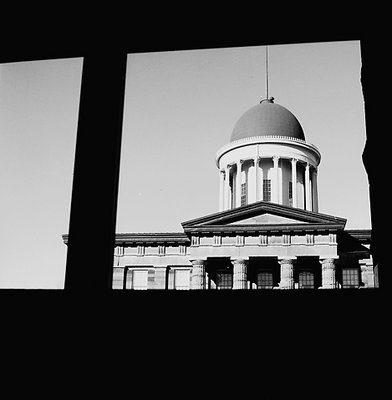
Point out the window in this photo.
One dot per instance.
(267, 189)
(290, 194)
(265, 280)
(181, 279)
(137, 279)
(224, 280)
(306, 280)
(350, 277)
(243, 194)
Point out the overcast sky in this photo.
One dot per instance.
(180, 108)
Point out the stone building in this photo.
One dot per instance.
(268, 232)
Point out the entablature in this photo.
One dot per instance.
(151, 239)
(232, 230)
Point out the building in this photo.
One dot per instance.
(268, 232)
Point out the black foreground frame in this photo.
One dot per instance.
(98, 145)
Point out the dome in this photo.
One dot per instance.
(267, 119)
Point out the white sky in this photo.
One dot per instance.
(180, 108)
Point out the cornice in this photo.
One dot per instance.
(149, 238)
(265, 139)
(263, 229)
(362, 235)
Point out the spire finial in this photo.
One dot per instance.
(267, 97)
(266, 72)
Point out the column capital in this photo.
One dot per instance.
(328, 260)
(286, 260)
(198, 261)
(239, 260)
(294, 160)
(275, 158)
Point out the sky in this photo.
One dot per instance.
(180, 108)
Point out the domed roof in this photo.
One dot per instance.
(267, 119)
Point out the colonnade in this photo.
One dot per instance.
(328, 276)
(302, 173)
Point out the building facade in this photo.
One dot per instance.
(268, 232)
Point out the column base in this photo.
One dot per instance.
(284, 287)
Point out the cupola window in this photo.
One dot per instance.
(267, 189)
(244, 190)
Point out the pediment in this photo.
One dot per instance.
(267, 215)
(266, 219)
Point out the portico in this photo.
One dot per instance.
(264, 273)
(291, 248)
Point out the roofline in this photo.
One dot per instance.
(154, 237)
(238, 211)
(267, 228)
(362, 235)
(146, 237)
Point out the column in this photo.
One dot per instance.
(314, 190)
(261, 177)
(226, 200)
(257, 178)
(308, 201)
(198, 274)
(238, 184)
(221, 189)
(239, 273)
(275, 181)
(328, 279)
(370, 275)
(294, 180)
(286, 274)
